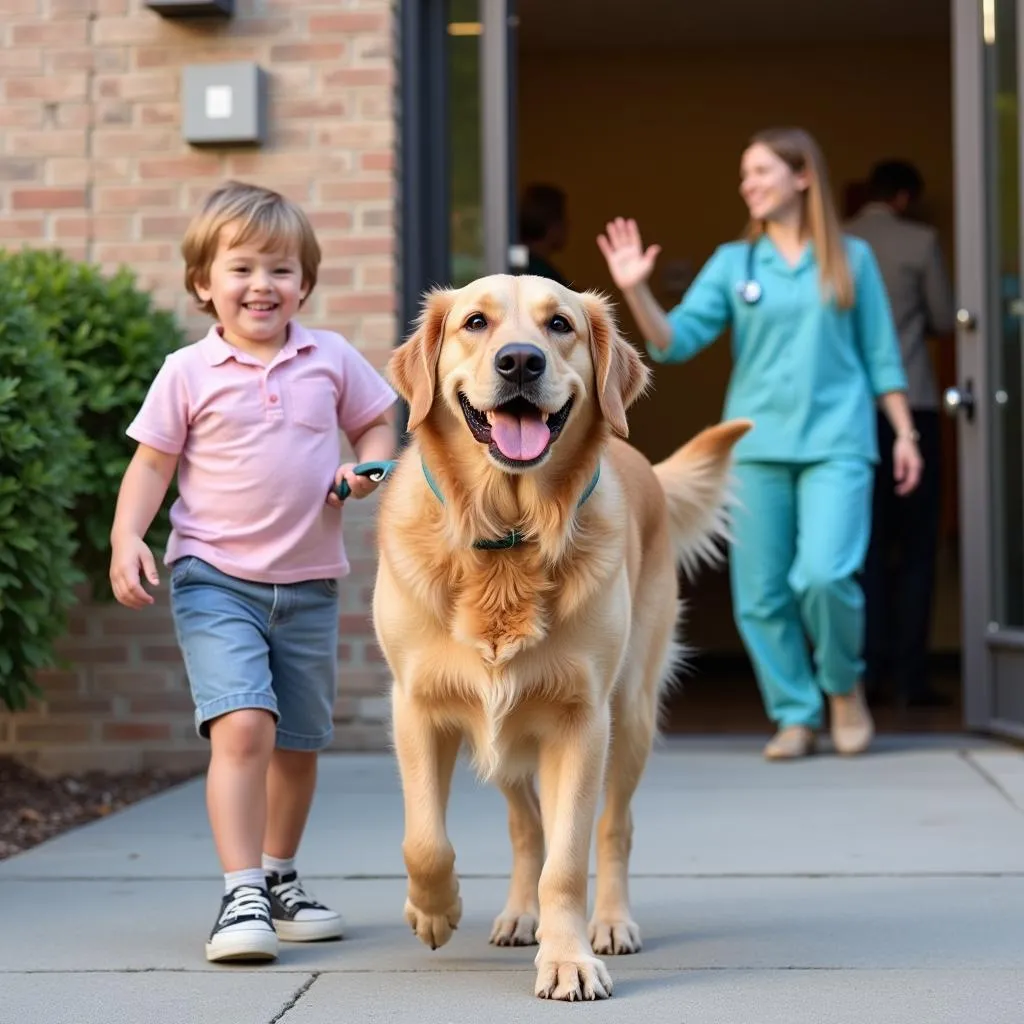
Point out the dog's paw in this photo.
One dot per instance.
(572, 979)
(434, 930)
(614, 937)
(512, 928)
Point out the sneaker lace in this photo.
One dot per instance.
(292, 895)
(246, 901)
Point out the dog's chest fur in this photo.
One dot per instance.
(500, 605)
(503, 603)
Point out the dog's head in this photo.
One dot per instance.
(516, 364)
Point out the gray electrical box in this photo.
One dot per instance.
(224, 104)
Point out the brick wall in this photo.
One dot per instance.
(92, 161)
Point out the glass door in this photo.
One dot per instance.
(988, 399)
(465, 141)
(457, 110)
(480, 64)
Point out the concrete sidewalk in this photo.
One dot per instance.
(883, 890)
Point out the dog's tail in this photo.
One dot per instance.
(696, 480)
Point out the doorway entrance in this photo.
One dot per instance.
(642, 110)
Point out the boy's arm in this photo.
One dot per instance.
(376, 441)
(142, 491)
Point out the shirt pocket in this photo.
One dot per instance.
(314, 405)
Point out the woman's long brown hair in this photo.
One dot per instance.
(820, 219)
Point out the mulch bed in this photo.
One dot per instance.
(34, 809)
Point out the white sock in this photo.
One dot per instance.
(247, 876)
(278, 865)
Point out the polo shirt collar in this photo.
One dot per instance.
(218, 351)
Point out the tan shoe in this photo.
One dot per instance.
(852, 726)
(790, 743)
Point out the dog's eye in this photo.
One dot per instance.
(477, 322)
(559, 324)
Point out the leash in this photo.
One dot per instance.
(380, 471)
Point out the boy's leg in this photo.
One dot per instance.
(291, 782)
(241, 745)
(221, 628)
(303, 662)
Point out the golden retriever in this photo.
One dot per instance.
(526, 603)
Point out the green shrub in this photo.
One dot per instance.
(41, 452)
(113, 341)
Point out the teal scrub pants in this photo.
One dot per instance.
(800, 536)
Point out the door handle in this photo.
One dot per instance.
(959, 400)
(966, 319)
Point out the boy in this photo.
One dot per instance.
(249, 418)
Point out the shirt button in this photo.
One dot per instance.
(273, 399)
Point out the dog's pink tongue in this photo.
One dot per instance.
(522, 438)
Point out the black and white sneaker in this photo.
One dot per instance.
(244, 930)
(296, 915)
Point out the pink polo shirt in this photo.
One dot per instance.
(259, 447)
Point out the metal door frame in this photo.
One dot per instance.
(425, 199)
(969, 159)
(498, 113)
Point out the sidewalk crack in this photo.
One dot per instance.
(293, 1002)
(966, 756)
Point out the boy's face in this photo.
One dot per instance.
(255, 289)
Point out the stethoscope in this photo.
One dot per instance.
(748, 289)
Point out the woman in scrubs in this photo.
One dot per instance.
(814, 347)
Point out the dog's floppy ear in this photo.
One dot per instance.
(621, 375)
(413, 367)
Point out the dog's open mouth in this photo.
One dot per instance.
(516, 432)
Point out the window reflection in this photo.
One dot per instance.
(466, 259)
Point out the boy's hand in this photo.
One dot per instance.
(360, 486)
(129, 556)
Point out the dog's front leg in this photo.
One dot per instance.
(571, 769)
(426, 760)
(516, 925)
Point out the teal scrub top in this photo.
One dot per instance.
(806, 372)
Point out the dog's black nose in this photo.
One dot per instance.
(520, 364)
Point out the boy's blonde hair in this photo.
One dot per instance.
(255, 214)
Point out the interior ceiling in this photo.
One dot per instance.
(546, 25)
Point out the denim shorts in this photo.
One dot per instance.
(259, 645)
